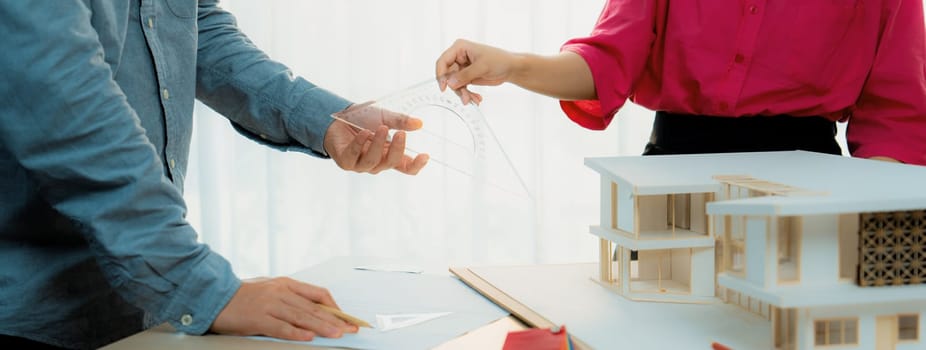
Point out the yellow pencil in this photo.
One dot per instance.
(344, 316)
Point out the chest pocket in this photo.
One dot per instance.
(183, 8)
(817, 43)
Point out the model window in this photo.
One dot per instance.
(789, 249)
(836, 332)
(908, 327)
(785, 325)
(736, 242)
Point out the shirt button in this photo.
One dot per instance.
(165, 94)
(186, 320)
(753, 9)
(150, 22)
(724, 106)
(173, 164)
(739, 58)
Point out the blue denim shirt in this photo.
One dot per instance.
(96, 104)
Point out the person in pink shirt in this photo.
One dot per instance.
(734, 76)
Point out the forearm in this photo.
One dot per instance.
(884, 159)
(889, 118)
(260, 96)
(564, 76)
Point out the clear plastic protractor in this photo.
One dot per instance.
(455, 136)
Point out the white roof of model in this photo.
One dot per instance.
(849, 185)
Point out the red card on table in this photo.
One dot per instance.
(538, 339)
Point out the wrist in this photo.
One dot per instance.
(520, 68)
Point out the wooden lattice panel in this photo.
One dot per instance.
(892, 248)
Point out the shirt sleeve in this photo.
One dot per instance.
(889, 118)
(260, 96)
(68, 125)
(616, 52)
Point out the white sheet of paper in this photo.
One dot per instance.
(365, 294)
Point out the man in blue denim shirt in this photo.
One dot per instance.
(96, 103)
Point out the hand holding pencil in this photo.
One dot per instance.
(346, 317)
(282, 308)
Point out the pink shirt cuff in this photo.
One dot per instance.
(596, 114)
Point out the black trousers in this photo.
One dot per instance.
(11, 342)
(691, 134)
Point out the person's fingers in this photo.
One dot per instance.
(373, 153)
(404, 164)
(443, 64)
(366, 148)
(314, 294)
(351, 154)
(413, 166)
(305, 320)
(464, 96)
(465, 76)
(400, 121)
(274, 327)
(468, 96)
(477, 97)
(307, 297)
(885, 159)
(394, 154)
(459, 93)
(442, 79)
(307, 306)
(277, 308)
(420, 161)
(455, 55)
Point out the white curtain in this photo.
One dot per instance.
(273, 213)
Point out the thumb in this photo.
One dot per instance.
(465, 76)
(401, 121)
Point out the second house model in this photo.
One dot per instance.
(830, 250)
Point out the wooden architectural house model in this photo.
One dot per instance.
(830, 250)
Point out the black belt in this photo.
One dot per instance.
(690, 134)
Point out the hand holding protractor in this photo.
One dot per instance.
(453, 134)
(374, 141)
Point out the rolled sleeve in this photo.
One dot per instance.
(890, 116)
(261, 97)
(304, 122)
(616, 52)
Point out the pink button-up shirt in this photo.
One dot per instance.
(858, 60)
